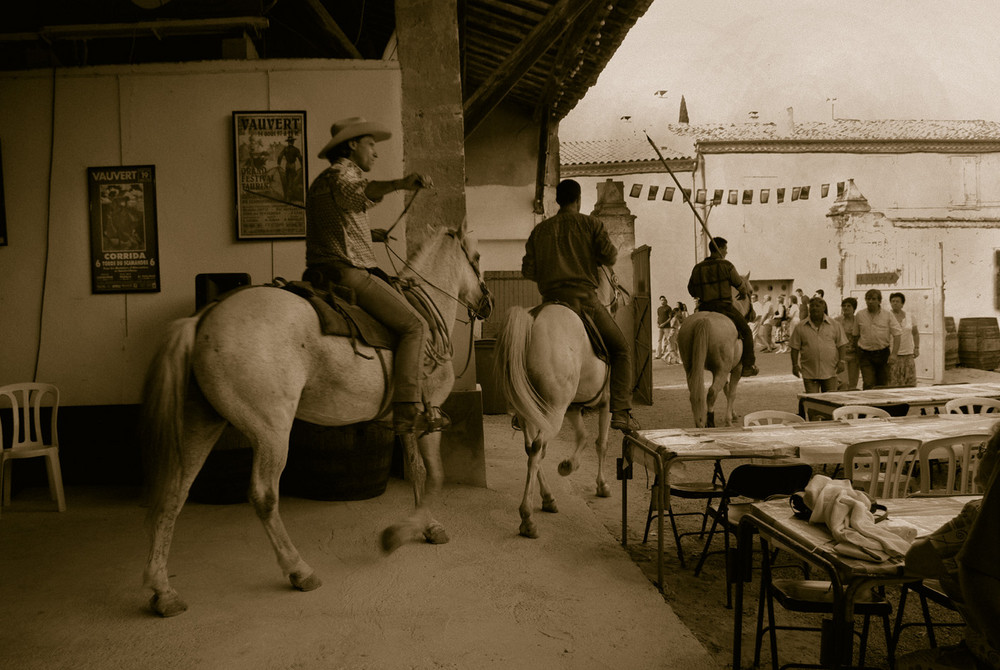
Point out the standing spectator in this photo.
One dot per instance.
(904, 371)
(878, 340)
(777, 323)
(818, 346)
(766, 327)
(663, 313)
(673, 353)
(756, 308)
(792, 320)
(802, 301)
(847, 322)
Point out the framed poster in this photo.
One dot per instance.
(269, 149)
(124, 254)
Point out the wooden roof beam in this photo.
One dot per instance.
(492, 91)
(330, 27)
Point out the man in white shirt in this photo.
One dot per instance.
(818, 346)
(878, 342)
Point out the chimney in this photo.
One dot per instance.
(683, 116)
(788, 127)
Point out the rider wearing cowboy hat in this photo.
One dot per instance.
(339, 250)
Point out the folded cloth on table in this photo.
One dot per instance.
(847, 513)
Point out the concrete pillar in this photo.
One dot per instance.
(434, 143)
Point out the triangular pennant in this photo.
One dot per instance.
(653, 188)
(687, 194)
(824, 190)
(840, 190)
(668, 193)
(700, 197)
(804, 193)
(796, 190)
(748, 196)
(781, 195)
(765, 195)
(733, 197)
(636, 191)
(717, 197)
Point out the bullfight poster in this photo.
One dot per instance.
(270, 150)
(124, 253)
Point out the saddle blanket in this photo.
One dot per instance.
(342, 318)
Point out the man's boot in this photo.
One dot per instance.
(623, 420)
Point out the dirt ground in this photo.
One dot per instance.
(700, 601)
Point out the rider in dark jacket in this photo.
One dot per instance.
(712, 282)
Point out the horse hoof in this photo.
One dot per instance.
(168, 605)
(566, 468)
(310, 583)
(550, 506)
(436, 534)
(392, 539)
(603, 490)
(528, 529)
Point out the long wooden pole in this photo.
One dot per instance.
(686, 197)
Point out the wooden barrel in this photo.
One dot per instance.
(338, 462)
(979, 343)
(950, 343)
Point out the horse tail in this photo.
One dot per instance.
(696, 372)
(162, 416)
(512, 369)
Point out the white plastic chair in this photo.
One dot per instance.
(881, 467)
(960, 452)
(27, 435)
(859, 412)
(972, 406)
(767, 417)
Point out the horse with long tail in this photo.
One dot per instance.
(548, 371)
(708, 341)
(258, 360)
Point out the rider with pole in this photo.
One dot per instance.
(339, 250)
(711, 282)
(563, 256)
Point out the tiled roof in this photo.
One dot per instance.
(632, 150)
(844, 130)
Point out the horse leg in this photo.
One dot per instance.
(535, 449)
(270, 454)
(569, 465)
(734, 378)
(177, 471)
(718, 382)
(603, 429)
(424, 468)
(548, 500)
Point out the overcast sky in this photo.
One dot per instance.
(891, 59)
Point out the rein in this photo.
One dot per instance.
(431, 307)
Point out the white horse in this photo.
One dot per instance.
(709, 341)
(258, 360)
(548, 370)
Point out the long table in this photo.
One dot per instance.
(918, 399)
(812, 442)
(774, 521)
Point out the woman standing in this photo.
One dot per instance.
(904, 371)
(849, 377)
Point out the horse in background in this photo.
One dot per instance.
(548, 371)
(709, 341)
(258, 360)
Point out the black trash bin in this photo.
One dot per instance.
(493, 401)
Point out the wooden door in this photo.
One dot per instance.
(642, 324)
(915, 271)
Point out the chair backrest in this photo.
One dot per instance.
(881, 467)
(961, 454)
(859, 412)
(972, 406)
(761, 481)
(27, 430)
(766, 417)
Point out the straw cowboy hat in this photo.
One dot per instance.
(355, 126)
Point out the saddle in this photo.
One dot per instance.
(338, 316)
(596, 342)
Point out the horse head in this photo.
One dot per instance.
(741, 299)
(449, 262)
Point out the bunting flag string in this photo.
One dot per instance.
(735, 196)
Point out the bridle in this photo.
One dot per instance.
(481, 310)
